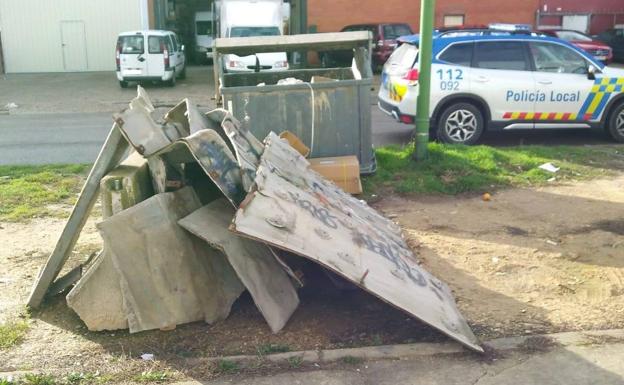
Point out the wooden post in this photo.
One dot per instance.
(112, 152)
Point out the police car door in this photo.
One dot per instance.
(563, 85)
(502, 76)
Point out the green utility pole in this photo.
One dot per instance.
(427, 14)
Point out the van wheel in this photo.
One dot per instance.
(183, 73)
(460, 123)
(616, 124)
(123, 84)
(171, 82)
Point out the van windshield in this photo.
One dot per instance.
(203, 28)
(131, 44)
(254, 31)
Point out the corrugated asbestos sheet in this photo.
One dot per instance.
(169, 260)
(295, 209)
(271, 289)
(167, 276)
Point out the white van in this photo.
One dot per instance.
(204, 36)
(245, 18)
(150, 55)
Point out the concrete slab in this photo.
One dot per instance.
(578, 361)
(167, 277)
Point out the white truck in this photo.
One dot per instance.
(204, 35)
(245, 18)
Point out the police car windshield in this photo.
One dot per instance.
(572, 36)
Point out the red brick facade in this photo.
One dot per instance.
(332, 15)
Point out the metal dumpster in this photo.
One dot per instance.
(329, 109)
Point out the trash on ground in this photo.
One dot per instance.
(549, 167)
(201, 210)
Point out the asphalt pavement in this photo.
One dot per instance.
(52, 138)
(77, 137)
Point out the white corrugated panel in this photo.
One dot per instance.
(64, 35)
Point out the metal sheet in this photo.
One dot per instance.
(295, 209)
(167, 277)
(260, 272)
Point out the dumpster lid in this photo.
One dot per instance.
(310, 42)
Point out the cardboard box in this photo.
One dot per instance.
(344, 171)
(296, 143)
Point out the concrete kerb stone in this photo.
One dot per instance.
(407, 351)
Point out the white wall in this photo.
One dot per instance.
(31, 31)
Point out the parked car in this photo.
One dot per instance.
(151, 55)
(503, 82)
(385, 37)
(600, 50)
(615, 38)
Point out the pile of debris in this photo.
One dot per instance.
(201, 210)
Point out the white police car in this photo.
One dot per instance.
(486, 80)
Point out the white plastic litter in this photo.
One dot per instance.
(289, 81)
(147, 357)
(549, 167)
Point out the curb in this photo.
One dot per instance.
(406, 351)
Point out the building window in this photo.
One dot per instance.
(453, 20)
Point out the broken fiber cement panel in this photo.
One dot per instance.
(97, 297)
(295, 209)
(255, 265)
(167, 276)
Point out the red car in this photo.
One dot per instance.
(596, 48)
(385, 37)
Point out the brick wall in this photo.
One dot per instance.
(488, 11)
(332, 15)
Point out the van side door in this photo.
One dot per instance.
(177, 61)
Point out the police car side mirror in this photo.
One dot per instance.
(591, 72)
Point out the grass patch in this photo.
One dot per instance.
(26, 191)
(295, 362)
(350, 360)
(265, 349)
(38, 379)
(75, 378)
(12, 333)
(150, 376)
(227, 367)
(453, 169)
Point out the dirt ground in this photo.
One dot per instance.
(528, 261)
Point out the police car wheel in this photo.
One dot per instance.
(460, 123)
(616, 124)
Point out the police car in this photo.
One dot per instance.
(491, 80)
